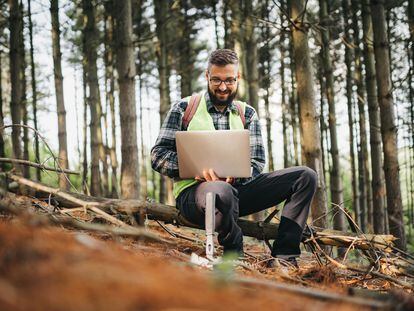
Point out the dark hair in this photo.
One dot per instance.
(223, 57)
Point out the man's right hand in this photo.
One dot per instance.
(210, 175)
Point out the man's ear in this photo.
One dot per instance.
(238, 75)
(207, 74)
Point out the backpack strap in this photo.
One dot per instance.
(241, 113)
(191, 109)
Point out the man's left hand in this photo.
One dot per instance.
(210, 175)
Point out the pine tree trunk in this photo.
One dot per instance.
(90, 44)
(309, 122)
(378, 187)
(60, 104)
(227, 39)
(161, 12)
(26, 169)
(34, 89)
(216, 25)
(335, 174)
(322, 125)
(363, 156)
(349, 55)
(143, 176)
(185, 58)
(15, 22)
(110, 79)
(127, 109)
(252, 74)
(238, 45)
(2, 154)
(85, 132)
(293, 105)
(388, 128)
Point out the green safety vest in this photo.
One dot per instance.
(202, 121)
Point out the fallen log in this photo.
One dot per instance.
(169, 214)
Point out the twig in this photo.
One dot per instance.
(56, 160)
(89, 205)
(313, 293)
(37, 165)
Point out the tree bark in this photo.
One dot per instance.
(378, 187)
(34, 89)
(15, 22)
(363, 156)
(185, 54)
(293, 105)
(90, 45)
(252, 75)
(2, 168)
(335, 174)
(110, 84)
(85, 132)
(25, 169)
(238, 45)
(60, 103)
(388, 128)
(309, 122)
(161, 13)
(349, 55)
(265, 79)
(127, 109)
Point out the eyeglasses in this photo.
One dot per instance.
(227, 82)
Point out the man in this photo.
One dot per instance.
(234, 197)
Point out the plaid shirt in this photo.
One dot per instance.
(164, 153)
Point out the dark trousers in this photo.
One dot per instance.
(296, 186)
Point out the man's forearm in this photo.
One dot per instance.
(165, 162)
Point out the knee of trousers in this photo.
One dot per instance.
(309, 177)
(226, 195)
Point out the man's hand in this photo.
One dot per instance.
(210, 175)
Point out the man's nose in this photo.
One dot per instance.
(222, 86)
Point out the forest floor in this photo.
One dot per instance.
(46, 267)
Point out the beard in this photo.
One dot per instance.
(219, 102)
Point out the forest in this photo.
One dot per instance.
(86, 84)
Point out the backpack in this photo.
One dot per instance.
(193, 105)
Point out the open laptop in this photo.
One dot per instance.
(226, 152)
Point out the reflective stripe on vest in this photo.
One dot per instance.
(202, 121)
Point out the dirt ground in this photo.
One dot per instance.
(45, 267)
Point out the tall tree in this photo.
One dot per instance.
(363, 156)
(127, 109)
(349, 55)
(1, 104)
(185, 56)
(110, 85)
(388, 128)
(335, 174)
(15, 22)
(265, 63)
(90, 44)
(237, 30)
(34, 88)
(161, 16)
(309, 122)
(250, 42)
(60, 104)
(378, 187)
(25, 168)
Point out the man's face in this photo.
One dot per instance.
(222, 83)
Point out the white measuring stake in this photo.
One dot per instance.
(210, 223)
